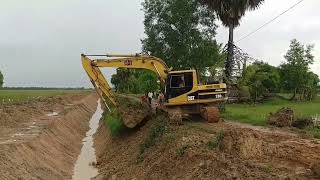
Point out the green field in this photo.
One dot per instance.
(257, 114)
(16, 95)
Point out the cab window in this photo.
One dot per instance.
(179, 84)
(177, 81)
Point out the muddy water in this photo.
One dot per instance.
(83, 169)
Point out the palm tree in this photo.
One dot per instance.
(230, 13)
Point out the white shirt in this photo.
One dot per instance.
(150, 94)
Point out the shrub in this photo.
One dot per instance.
(302, 123)
(114, 122)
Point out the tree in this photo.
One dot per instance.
(1, 79)
(311, 88)
(148, 82)
(181, 32)
(134, 81)
(261, 80)
(230, 13)
(295, 73)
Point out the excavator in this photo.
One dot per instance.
(183, 93)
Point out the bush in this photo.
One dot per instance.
(114, 122)
(302, 123)
(244, 94)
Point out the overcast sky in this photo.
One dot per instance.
(41, 41)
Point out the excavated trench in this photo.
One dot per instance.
(84, 167)
(42, 140)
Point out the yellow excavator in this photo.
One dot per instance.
(183, 92)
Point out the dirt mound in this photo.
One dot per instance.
(282, 118)
(202, 151)
(49, 145)
(247, 144)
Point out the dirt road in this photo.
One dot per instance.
(197, 150)
(42, 139)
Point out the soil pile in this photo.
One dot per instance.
(197, 150)
(282, 118)
(39, 146)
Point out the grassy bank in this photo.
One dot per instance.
(17, 95)
(114, 122)
(256, 114)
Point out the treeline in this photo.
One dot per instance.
(293, 76)
(44, 88)
(182, 33)
(1, 79)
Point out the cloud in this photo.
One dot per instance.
(41, 41)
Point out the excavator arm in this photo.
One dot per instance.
(137, 61)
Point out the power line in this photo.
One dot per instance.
(249, 34)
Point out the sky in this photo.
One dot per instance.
(41, 41)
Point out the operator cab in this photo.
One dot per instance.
(179, 82)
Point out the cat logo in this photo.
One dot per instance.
(128, 62)
(190, 98)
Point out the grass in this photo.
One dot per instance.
(13, 96)
(114, 122)
(181, 151)
(257, 114)
(315, 132)
(127, 101)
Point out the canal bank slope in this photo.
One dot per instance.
(46, 146)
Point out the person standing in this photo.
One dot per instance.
(150, 95)
(161, 98)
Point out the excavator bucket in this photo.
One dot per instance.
(133, 110)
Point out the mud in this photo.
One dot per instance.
(184, 152)
(42, 139)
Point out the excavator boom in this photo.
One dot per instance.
(119, 61)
